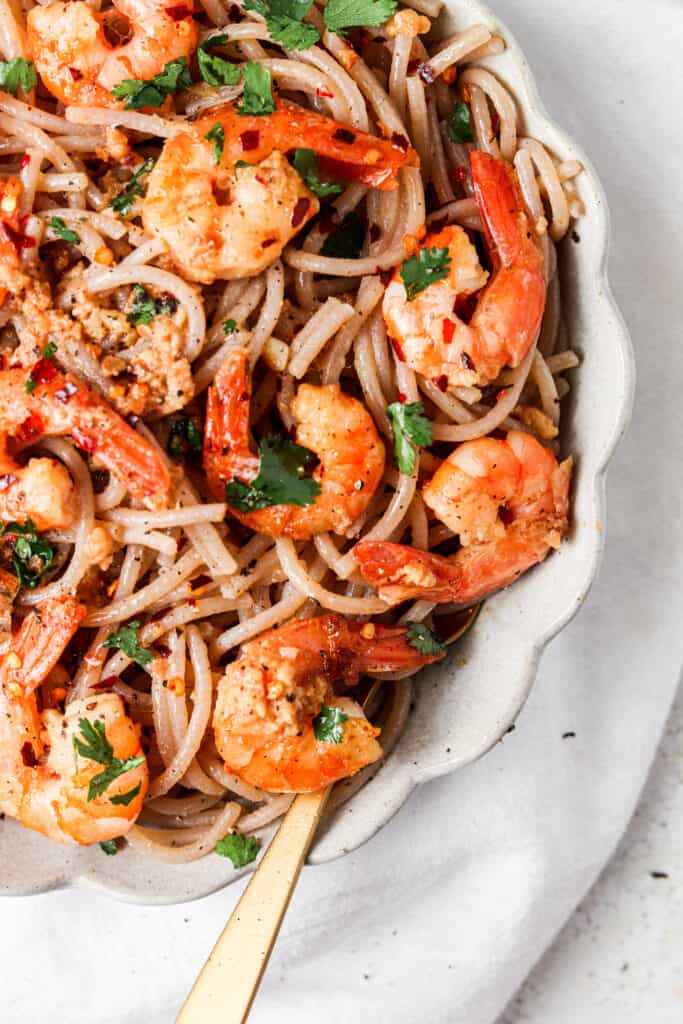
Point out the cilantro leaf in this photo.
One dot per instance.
(423, 639)
(214, 69)
(123, 202)
(153, 91)
(109, 847)
(229, 325)
(126, 640)
(31, 554)
(341, 14)
(257, 97)
(280, 479)
(411, 428)
(459, 123)
(57, 225)
(328, 724)
(241, 850)
(184, 438)
(347, 241)
(284, 21)
(146, 307)
(125, 798)
(418, 272)
(96, 747)
(49, 351)
(217, 136)
(306, 163)
(17, 73)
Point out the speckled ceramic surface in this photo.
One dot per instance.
(465, 704)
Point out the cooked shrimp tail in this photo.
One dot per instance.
(227, 452)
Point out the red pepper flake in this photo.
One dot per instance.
(30, 428)
(26, 242)
(106, 684)
(426, 73)
(448, 329)
(344, 135)
(84, 441)
(459, 175)
(466, 361)
(505, 515)
(328, 221)
(28, 755)
(375, 232)
(76, 74)
(249, 139)
(322, 91)
(385, 275)
(400, 141)
(300, 211)
(234, 14)
(398, 350)
(179, 12)
(402, 397)
(200, 581)
(495, 122)
(43, 372)
(413, 65)
(442, 382)
(268, 242)
(24, 162)
(65, 393)
(162, 650)
(6, 480)
(364, 39)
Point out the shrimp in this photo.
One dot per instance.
(57, 405)
(46, 781)
(224, 221)
(78, 63)
(429, 334)
(268, 699)
(11, 277)
(336, 427)
(507, 501)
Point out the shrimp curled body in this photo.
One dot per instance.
(507, 501)
(268, 698)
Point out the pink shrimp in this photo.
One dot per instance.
(507, 501)
(430, 336)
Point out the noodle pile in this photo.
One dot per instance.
(199, 584)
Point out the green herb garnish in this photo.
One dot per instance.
(342, 14)
(281, 478)
(418, 272)
(31, 554)
(257, 98)
(50, 350)
(217, 136)
(229, 326)
(328, 725)
(306, 163)
(214, 69)
(459, 123)
(123, 202)
(184, 438)
(411, 429)
(152, 92)
(423, 639)
(346, 242)
(109, 847)
(126, 640)
(125, 798)
(146, 307)
(57, 225)
(284, 21)
(17, 73)
(95, 746)
(241, 850)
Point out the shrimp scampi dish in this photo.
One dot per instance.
(282, 362)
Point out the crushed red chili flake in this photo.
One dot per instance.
(442, 382)
(76, 74)
(6, 480)
(179, 12)
(24, 162)
(30, 428)
(105, 684)
(84, 441)
(65, 393)
(467, 361)
(266, 244)
(385, 275)
(495, 122)
(448, 329)
(402, 397)
(505, 515)
(28, 755)
(344, 135)
(234, 13)
(426, 73)
(162, 650)
(328, 221)
(200, 581)
(26, 242)
(413, 65)
(321, 91)
(400, 141)
(459, 175)
(300, 210)
(375, 232)
(43, 372)
(398, 350)
(249, 139)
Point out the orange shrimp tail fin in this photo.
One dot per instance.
(226, 435)
(401, 573)
(387, 649)
(501, 206)
(43, 636)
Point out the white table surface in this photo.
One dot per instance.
(610, 73)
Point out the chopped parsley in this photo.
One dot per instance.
(126, 640)
(423, 639)
(281, 478)
(32, 556)
(341, 14)
(49, 351)
(184, 438)
(306, 163)
(123, 202)
(328, 724)
(152, 92)
(217, 136)
(411, 428)
(124, 799)
(284, 21)
(241, 850)
(229, 325)
(214, 69)
(347, 241)
(146, 307)
(94, 745)
(459, 123)
(242, 163)
(418, 272)
(15, 74)
(257, 98)
(109, 847)
(57, 225)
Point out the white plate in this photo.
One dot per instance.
(461, 710)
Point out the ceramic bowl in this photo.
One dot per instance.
(465, 704)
